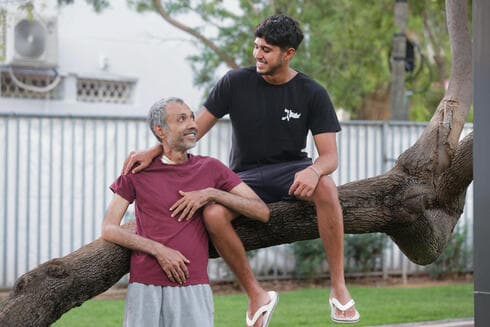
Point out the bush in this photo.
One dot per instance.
(309, 257)
(364, 253)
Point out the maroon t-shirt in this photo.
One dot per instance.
(154, 191)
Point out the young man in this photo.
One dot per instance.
(168, 284)
(272, 107)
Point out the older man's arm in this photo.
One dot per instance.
(173, 263)
(241, 199)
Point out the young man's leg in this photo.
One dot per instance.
(331, 229)
(276, 180)
(218, 223)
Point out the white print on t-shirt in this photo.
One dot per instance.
(290, 115)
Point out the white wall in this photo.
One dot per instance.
(140, 46)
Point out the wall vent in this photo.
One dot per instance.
(106, 91)
(9, 88)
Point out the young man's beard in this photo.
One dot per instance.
(272, 70)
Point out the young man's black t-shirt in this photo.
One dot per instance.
(270, 122)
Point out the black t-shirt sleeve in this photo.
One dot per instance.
(323, 118)
(219, 100)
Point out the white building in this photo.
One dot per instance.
(118, 62)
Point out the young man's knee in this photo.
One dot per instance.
(216, 216)
(326, 191)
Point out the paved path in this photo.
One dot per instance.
(467, 322)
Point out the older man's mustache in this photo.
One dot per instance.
(190, 131)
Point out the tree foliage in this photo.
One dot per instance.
(346, 48)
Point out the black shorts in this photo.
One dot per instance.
(272, 182)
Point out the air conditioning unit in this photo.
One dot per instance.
(30, 42)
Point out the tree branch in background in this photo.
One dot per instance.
(223, 56)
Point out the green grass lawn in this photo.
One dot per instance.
(309, 307)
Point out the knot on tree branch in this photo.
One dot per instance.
(56, 269)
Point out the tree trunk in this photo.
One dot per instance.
(438, 56)
(417, 203)
(398, 111)
(376, 105)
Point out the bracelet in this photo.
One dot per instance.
(316, 171)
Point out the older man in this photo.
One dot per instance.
(168, 283)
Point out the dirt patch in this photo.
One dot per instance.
(425, 281)
(293, 284)
(113, 293)
(224, 288)
(3, 295)
(277, 285)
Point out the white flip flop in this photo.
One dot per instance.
(335, 304)
(265, 310)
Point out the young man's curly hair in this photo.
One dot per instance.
(281, 31)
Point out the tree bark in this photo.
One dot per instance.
(408, 209)
(417, 203)
(41, 296)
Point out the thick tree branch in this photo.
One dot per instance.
(42, 295)
(227, 59)
(432, 153)
(456, 179)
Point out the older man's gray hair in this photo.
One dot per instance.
(158, 113)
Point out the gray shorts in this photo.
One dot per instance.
(272, 182)
(168, 306)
